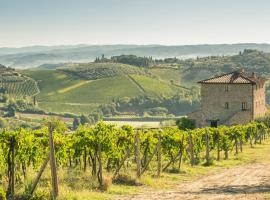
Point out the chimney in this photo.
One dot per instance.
(253, 75)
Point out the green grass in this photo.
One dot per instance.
(155, 86)
(50, 81)
(65, 92)
(70, 108)
(98, 91)
(58, 88)
(167, 74)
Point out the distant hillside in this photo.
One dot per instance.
(81, 88)
(28, 57)
(167, 86)
(16, 85)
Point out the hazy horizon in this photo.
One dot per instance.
(141, 22)
(74, 45)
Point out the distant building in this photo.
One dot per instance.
(233, 98)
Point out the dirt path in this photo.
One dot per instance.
(246, 182)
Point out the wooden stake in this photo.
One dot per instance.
(137, 153)
(149, 160)
(181, 151)
(218, 149)
(207, 148)
(191, 149)
(42, 168)
(159, 154)
(122, 162)
(53, 163)
(100, 176)
(11, 170)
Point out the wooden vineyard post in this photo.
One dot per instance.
(181, 151)
(241, 145)
(42, 168)
(84, 159)
(11, 170)
(250, 138)
(218, 148)
(191, 149)
(159, 154)
(53, 163)
(137, 153)
(207, 148)
(236, 146)
(122, 162)
(100, 176)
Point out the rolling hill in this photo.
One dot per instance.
(16, 85)
(170, 83)
(29, 57)
(81, 88)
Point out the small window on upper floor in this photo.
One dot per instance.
(226, 88)
(226, 105)
(244, 105)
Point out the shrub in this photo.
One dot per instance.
(106, 183)
(125, 179)
(2, 194)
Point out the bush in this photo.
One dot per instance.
(125, 179)
(174, 170)
(2, 194)
(3, 123)
(69, 115)
(106, 182)
(157, 111)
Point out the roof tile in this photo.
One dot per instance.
(235, 77)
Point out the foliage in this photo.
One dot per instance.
(111, 148)
(152, 105)
(185, 123)
(128, 59)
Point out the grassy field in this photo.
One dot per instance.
(68, 108)
(167, 74)
(79, 185)
(155, 86)
(64, 92)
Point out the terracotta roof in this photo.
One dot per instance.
(236, 77)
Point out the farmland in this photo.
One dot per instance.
(82, 88)
(167, 156)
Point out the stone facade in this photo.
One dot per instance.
(230, 99)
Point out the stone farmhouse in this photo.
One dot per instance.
(234, 98)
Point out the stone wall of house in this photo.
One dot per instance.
(259, 100)
(241, 117)
(197, 116)
(214, 98)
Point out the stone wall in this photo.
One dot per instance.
(214, 97)
(197, 116)
(259, 101)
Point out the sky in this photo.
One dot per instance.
(166, 22)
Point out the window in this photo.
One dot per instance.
(213, 124)
(226, 88)
(244, 105)
(226, 105)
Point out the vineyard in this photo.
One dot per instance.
(20, 88)
(110, 153)
(15, 84)
(101, 70)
